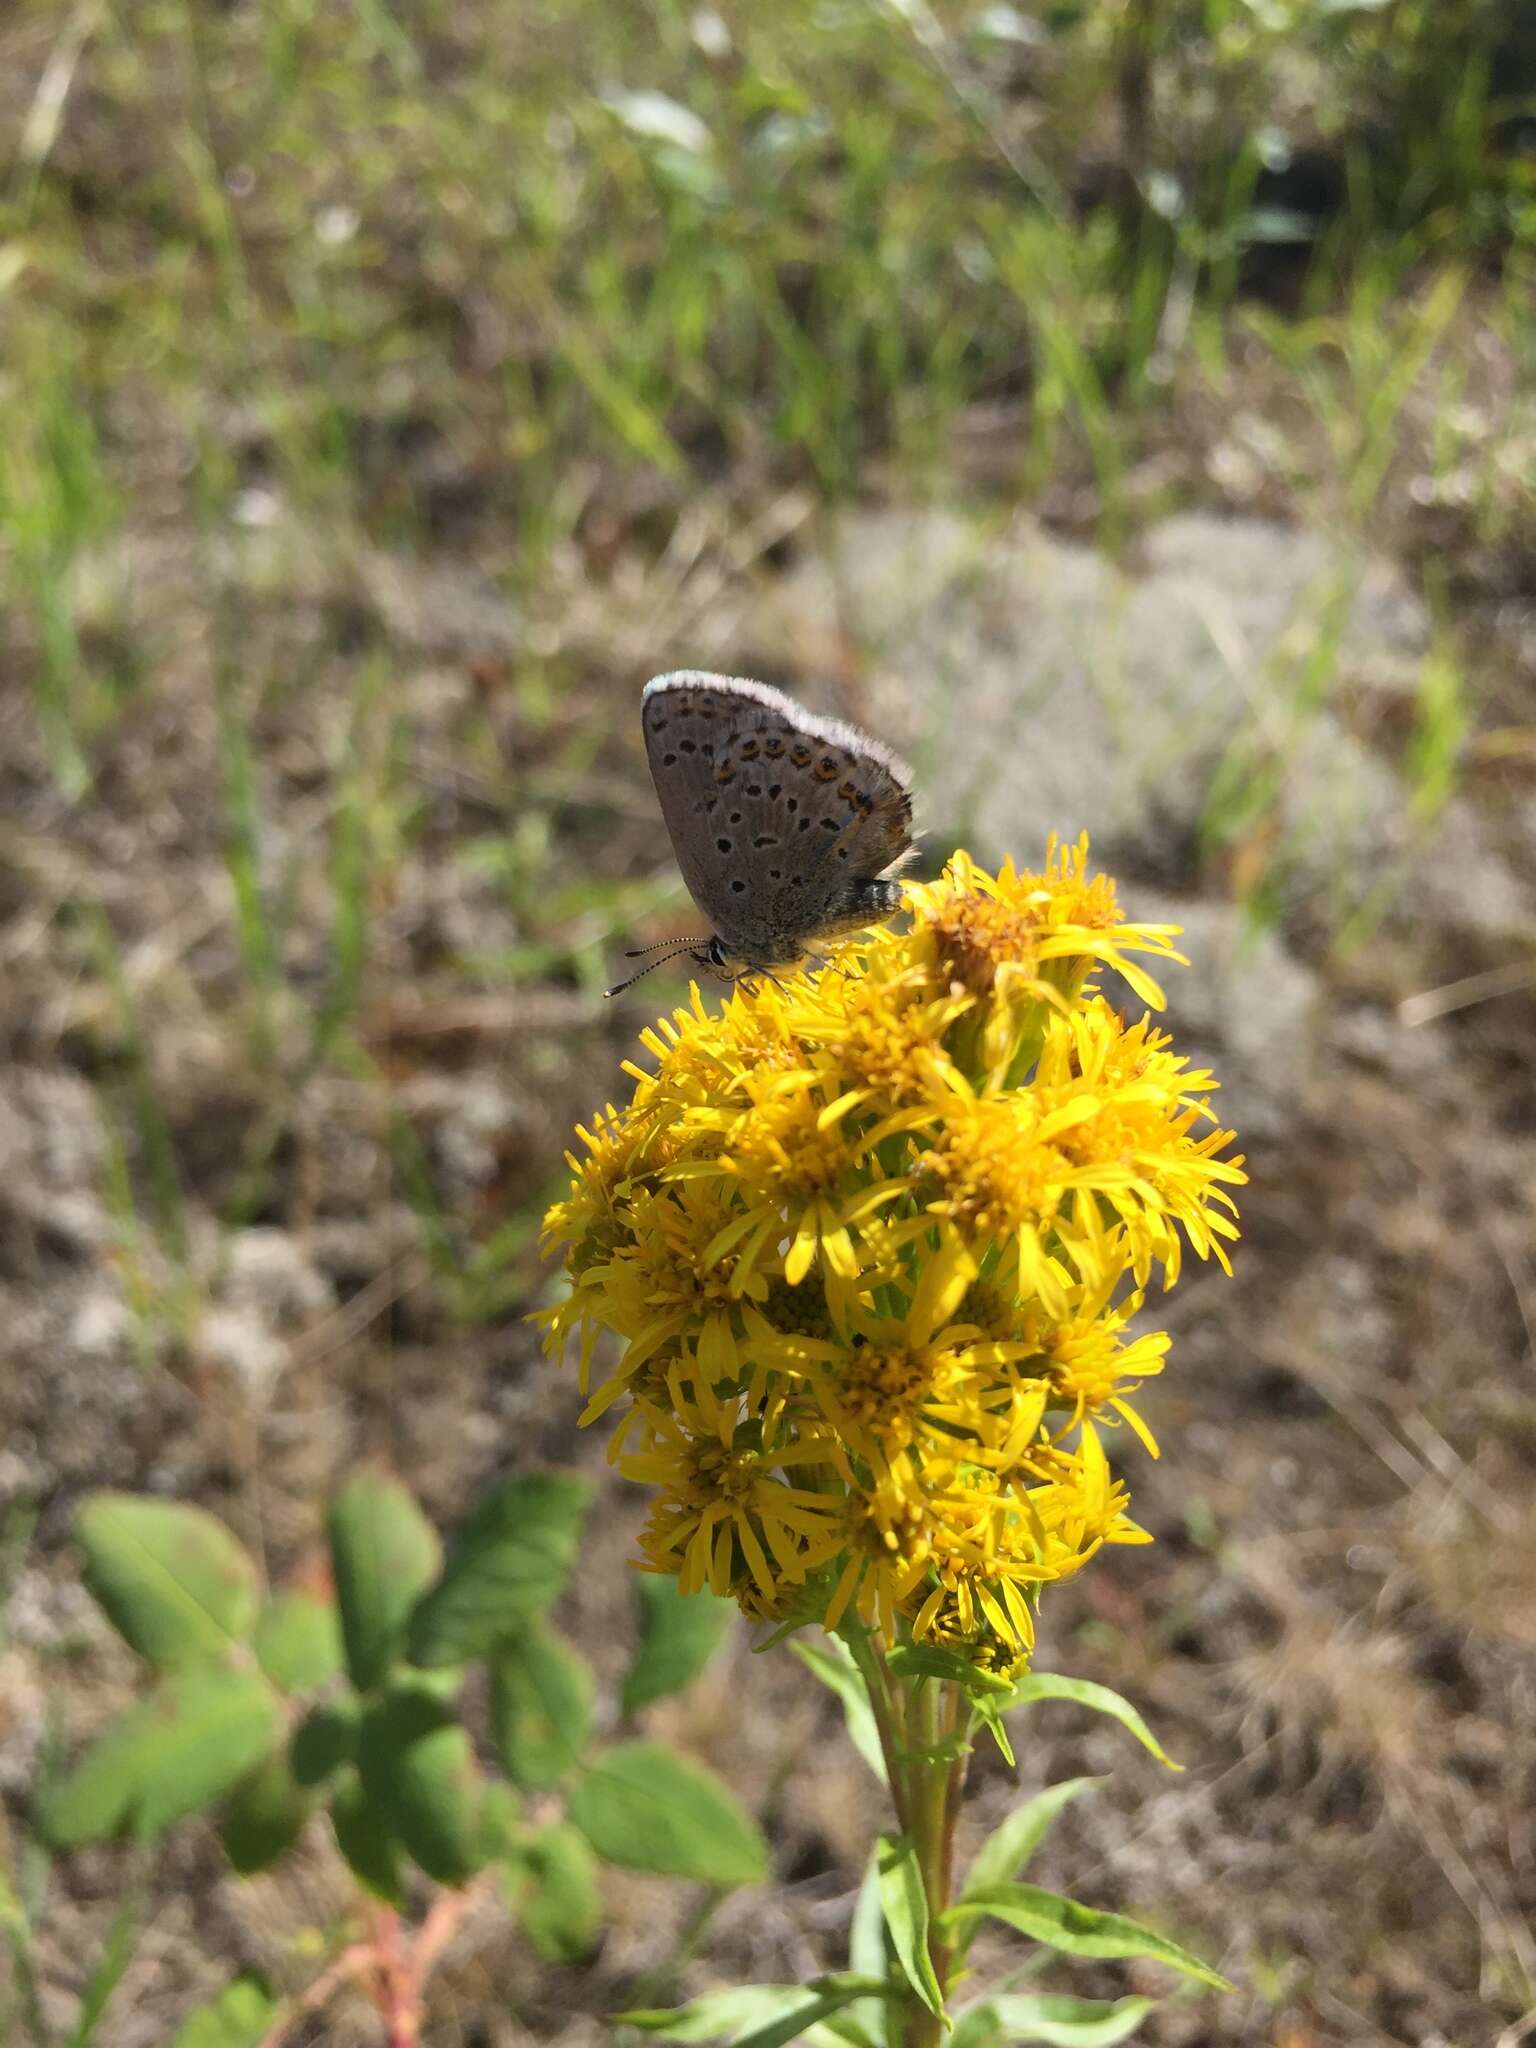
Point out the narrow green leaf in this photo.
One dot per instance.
(507, 1565)
(832, 1662)
(364, 1839)
(264, 1815)
(553, 1880)
(298, 1641)
(174, 1582)
(989, 1714)
(383, 1551)
(679, 1633)
(931, 1660)
(116, 1954)
(240, 2017)
(541, 1706)
(756, 2015)
(904, 1903)
(418, 1770)
(1077, 1930)
(185, 1746)
(1011, 1844)
(643, 1806)
(1044, 2016)
(866, 1949)
(323, 1741)
(1045, 1685)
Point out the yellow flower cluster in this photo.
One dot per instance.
(871, 1239)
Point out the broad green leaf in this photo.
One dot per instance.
(92, 1801)
(904, 1903)
(832, 1662)
(1045, 1685)
(264, 1814)
(323, 1741)
(507, 1565)
(383, 1551)
(185, 1746)
(240, 2017)
(1077, 1930)
(365, 1840)
(643, 1806)
(678, 1635)
(418, 1768)
(757, 2015)
(541, 1706)
(501, 1811)
(298, 1641)
(1011, 1844)
(1044, 2016)
(175, 1583)
(553, 1881)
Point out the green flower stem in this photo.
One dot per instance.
(934, 1715)
(889, 1721)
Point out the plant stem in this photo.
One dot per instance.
(934, 1713)
(886, 1701)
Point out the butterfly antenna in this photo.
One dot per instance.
(667, 950)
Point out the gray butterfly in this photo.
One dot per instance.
(788, 828)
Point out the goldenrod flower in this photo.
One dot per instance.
(872, 1239)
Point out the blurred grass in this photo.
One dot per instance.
(289, 292)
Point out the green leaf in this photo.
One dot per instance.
(185, 1746)
(541, 1706)
(554, 1879)
(116, 1954)
(383, 1551)
(507, 1565)
(832, 1662)
(931, 1660)
(240, 2017)
(1045, 1685)
(364, 1839)
(866, 1949)
(1010, 1845)
(904, 1903)
(298, 1641)
(643, 1806)
(174, 1582)
(1044, 2016)
(501, 1811)
(418, 1769)
(1077, 1930)
(757, 2015)
(323, 1741)
(989, 1714)
(679, 1633)
(264, 1815)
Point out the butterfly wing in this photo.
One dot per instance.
(778, 818)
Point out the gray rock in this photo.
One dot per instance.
(1244, 1005)
(1039, 687)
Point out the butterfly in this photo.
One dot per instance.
(789, 829)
